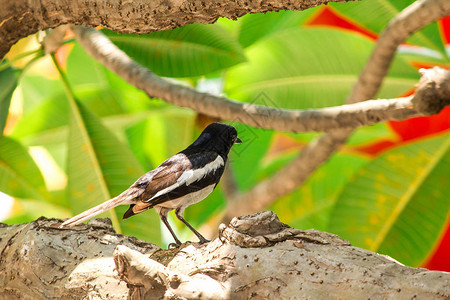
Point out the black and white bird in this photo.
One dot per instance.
(182, 180)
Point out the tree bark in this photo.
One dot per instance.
(256, 257)
(20, 18)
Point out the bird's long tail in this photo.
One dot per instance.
(127, 197)
(92, 212)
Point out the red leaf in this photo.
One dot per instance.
(329, 17)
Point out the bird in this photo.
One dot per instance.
(184, 179)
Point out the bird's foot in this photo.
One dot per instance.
(203, 241)
(174, 245)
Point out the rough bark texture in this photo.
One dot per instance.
(255, 257)
(20, 18)
(40, 261)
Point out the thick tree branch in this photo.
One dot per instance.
(411, 19)
(20, 18)
(40, 261)
(255, 256)
(326, 119)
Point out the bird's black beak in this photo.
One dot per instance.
(238, 141)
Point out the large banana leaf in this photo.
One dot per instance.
(99, 168)
(161, 135)
(253, 27)
(35, 89)
(398, 203)
(19, 175)
(99, 88)
(310, 68)
(191, 50)
(8, 83)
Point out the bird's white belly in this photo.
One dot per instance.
(189, 199)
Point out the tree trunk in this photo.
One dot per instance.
(256, 257)
(20, 18)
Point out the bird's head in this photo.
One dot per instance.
(218, 136)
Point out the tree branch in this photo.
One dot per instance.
(411, 19)
(255, 256)
(325, 119)
(21, 18)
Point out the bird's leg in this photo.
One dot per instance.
(177, 241)
(179, 214)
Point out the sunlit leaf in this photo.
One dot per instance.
(36, 89)
(191, 50)
(47, 116)
(94, 84)
(19, 174)
(26, 210)
(101, 167)
(398, 204)
(8, 83)
(296, 69)
(161, 135)
(253, 27)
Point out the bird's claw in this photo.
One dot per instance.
(173, 245)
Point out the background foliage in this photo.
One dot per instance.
(66, 147)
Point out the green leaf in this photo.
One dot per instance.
(296, 69)
(8, 83)
(254, 27)
(310, 205)
(376, 14)
(246, 158)
(90, 78)
(36, 89)
(398, 203)
(101, 167)
(28, 210)
(47, 123)
(423, 58)
(191, 50)
(47, 116)
(19, 175)
(170, 131)
(369, 134)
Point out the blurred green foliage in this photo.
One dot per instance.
(104, 133)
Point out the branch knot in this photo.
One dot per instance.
(264, 229)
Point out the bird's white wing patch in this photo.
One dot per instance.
(195, 175)
(191, 176)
